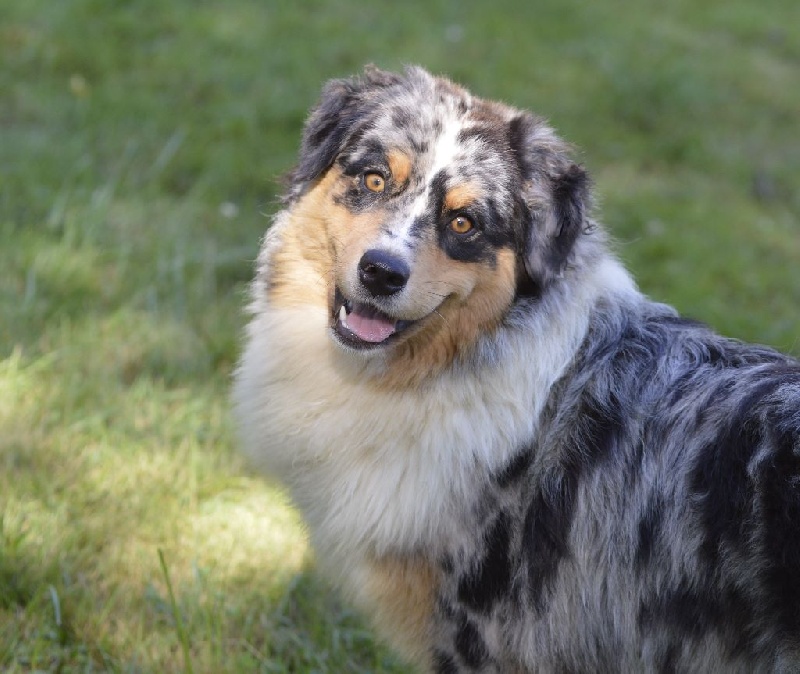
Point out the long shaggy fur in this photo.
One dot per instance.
(506, 455)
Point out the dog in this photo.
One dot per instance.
(507, 456)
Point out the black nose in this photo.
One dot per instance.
(382, 273)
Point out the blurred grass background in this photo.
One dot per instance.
(140, 143)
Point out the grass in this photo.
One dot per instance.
(139, 146)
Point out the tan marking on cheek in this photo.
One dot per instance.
(403, 591)
(400, 166)
(461, 196)
(300, 269)
(322, 240)
(458, 323)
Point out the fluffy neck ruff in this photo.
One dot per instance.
(394, 471)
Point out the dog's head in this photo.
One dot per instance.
(440, 210)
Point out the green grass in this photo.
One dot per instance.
(139, 146)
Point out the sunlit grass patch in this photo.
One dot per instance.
(93, 501)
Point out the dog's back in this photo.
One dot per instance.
(653, 524)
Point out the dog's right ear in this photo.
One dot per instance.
(343, 105)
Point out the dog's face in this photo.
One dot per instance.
(439, 209)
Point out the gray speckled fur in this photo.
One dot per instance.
(655, 524)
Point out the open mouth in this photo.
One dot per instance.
(362, 326)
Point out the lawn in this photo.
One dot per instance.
(140, 148)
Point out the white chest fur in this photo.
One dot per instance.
(378, 471)
(370, 467)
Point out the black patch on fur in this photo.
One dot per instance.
(444, 664)
(494, 227)
(371, 156)
(545, 536)
(721, 478)
(527, 288)
(489, 579)
(714, 356)
(438, 191)
(470, 645)
(598, 428)
(570, 194)
(514, 469)
(649, 532)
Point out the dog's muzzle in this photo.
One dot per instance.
(361, 324)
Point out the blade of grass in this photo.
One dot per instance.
(182, 636)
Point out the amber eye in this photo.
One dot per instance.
(461, 224)
(374, 182)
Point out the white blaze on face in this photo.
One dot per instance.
(441, 156)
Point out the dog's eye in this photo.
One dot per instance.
(374, 182)
(461, 224)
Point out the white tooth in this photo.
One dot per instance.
(343, 316)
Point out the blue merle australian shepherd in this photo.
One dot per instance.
(507, 456)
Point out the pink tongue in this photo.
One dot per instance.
(370, 329)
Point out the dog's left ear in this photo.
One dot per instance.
(555, 198)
